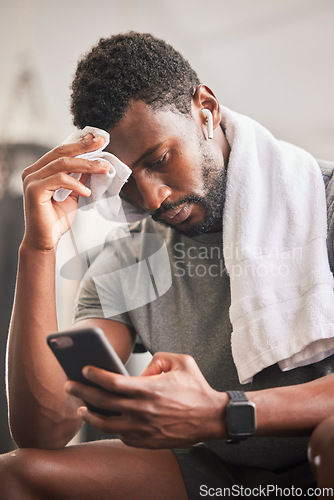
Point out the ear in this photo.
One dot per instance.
(205, 98)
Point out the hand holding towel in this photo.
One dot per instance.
(105, 197)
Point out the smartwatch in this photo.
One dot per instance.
(240, 417)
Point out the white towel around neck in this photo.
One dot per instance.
(274, 242)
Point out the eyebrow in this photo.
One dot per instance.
(148, 152)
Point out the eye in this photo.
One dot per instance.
(157, 163)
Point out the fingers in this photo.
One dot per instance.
(88, 144)
(98, 397)
(108, 425)
(49, 185)
(163, 362)
(74, 165)
(156, 367)
(132, 387)
(67, 165)
(56, 165)
(117, 384)
(56, 175)
(126, 429)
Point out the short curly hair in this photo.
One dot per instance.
(125, 67)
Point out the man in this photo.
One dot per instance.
(147, 97)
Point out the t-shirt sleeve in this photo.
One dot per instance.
(100, 294)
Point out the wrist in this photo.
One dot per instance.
(29, 248)
(217, 424)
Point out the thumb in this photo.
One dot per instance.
(162, 362)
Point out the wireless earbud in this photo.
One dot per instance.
(209, 119)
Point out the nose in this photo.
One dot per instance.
(152, 192)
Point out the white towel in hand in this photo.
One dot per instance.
(274, 241)
(105, 187)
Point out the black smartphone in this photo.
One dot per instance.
(75, 349)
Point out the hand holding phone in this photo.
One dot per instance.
(75, 349)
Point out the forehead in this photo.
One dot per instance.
(142, 128)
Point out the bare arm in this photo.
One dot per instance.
(41, 414)
(294, 410)
(33, 379)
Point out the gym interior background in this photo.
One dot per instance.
(270, 60)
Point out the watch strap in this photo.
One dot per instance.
(237, 396)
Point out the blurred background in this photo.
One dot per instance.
(272, 60)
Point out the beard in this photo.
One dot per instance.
(214, 176)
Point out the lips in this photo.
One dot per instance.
(176, 215)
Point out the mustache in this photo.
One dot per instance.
(165, 207)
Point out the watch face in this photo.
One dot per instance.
(240, 418)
